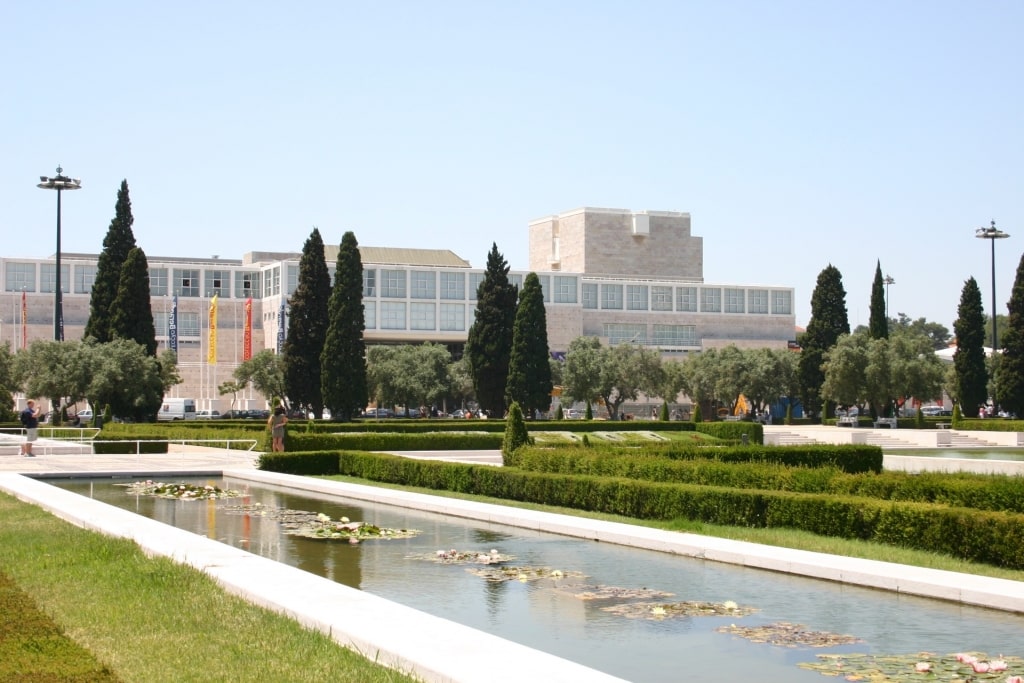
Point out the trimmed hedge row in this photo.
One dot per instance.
(117, 444)
(847, 458)
(995, 538)
(978, 491)
(398, 425)
(393, 441)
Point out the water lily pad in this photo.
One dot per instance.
(667, 610)
(454, 556)
(180, 491)
(319, 526)
(523, 574)
(595, 592)
(923, 666)
(785, 634)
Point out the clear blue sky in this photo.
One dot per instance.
(796, 133)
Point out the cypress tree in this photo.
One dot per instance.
(118, 242)
(828, 321)
(529, 372)
(343, 362)
(969, 358)
(878, 324)
(132, 316)
(489, 343)
(1010, 366)
(307, 328)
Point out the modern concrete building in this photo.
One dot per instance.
(622, 276)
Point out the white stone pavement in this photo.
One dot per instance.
(430, 648)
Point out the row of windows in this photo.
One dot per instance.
(428, 285)
(663, 335)
(689, 299)
(397, 315)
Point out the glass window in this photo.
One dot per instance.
(421, 316)
(218, 282)
(423, 285)
(661, 298)
(517, 280)
(636, 297)
(85, 276)
(589, 295)
(453, 317)
(392, 285)
(675, 335)
(453, 285)
(188, 324)
(710, 300)
(392, 315)
(757, 301)
(186, 282)
(734, 301)
(686, 299)
(782, 302)
(611, 297)
(48, 277)
(474, 284)
(275, 279)
(622, 333)
(160, 324)
(20, 276)
(565, 289)
(247, 284)
(369, 282)
(545, 287)
(370, 315)
(293, 278)
(157, 281)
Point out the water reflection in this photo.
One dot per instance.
(540, 616)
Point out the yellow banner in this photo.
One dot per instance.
(211, 351)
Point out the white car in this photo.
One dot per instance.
(207, 414)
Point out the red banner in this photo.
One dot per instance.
(247, 333)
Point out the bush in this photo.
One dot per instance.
(515, 432)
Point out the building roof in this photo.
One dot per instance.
(436, 258)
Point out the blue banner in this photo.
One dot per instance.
(280, 328)
(172, 326)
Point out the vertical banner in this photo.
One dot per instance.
(172, 326)
(211, 351)
(24, 320)
(247, 331)
(280, 327)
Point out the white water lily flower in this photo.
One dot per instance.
(323, 518)
(658, 611)
(344, 520)
(729, 604)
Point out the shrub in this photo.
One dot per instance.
(515, 431)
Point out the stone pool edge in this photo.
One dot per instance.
(428, 647)
(969, 589)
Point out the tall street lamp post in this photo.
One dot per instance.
(992, 233)
(887, 281)
(59, 182)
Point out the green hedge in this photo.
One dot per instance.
(992, 424)
(733, 431)
(848, 458)
(397, 425)
(307, 464)
(393, 441)
(979, 491)
(995, 538)
(117, 444)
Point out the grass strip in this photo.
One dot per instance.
(146, 619)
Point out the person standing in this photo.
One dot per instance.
(30, 421)
(276, 423)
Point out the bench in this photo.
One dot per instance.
(850, 421)
(890, 422)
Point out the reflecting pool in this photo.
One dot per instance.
(550, 615)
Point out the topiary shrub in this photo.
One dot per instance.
(515, 431)
(957, 416)
(663, 415)
(697, 416)
(559, 415)
(589, 415)
(789, 414)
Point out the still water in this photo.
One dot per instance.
(545, 616)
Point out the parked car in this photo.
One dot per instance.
(931, 411)
(207, 414)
